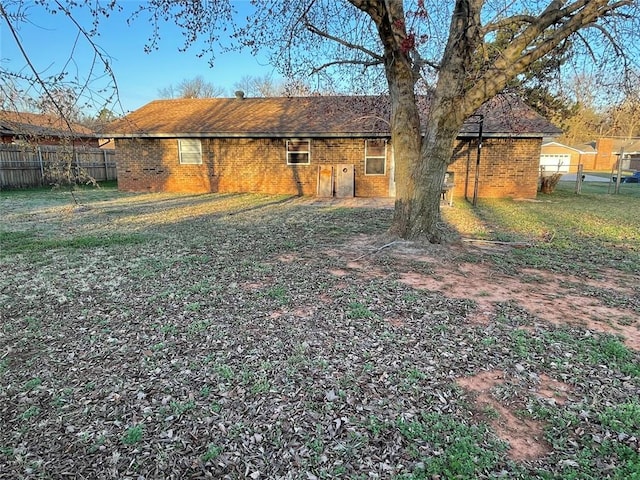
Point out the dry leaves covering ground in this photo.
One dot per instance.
(243, 336)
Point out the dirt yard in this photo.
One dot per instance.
(547, 298)
(240, 336)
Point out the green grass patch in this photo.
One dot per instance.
(133, 435)
(29, 413)
(458, 450)
(180, 408)
(624, 418)
(225, 372)
(609, 350)
(612, 437)
(567, 232)
(279, 294)
(182, 327)
(596, 349)
(12, 243)
(33, 383)
(4, 365)
(213, 452)
(358, 311)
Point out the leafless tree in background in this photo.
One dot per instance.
(196, 87)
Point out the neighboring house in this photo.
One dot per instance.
(312, 146)
(557, 157)
(600, 155)
(39, 129)
(611, 150)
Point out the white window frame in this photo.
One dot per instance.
(307, 151)
(367, 157)
(190, 151)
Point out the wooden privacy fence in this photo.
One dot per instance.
(30, 166)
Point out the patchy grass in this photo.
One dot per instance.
(228, 336)
(582, 234)
(452, 449)
(133, 435)
(27, 242)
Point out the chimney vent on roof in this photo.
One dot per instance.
(239, 94)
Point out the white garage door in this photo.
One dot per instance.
(555, 162)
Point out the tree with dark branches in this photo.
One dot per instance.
(396, 47)
(61, 93)
(452, 48)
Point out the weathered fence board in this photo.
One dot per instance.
(29, 166)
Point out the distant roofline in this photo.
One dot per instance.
(45, 125)
(569, 147)
(595, 151)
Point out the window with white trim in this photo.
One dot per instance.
(190, 151)
(375, 156)
(298, 152)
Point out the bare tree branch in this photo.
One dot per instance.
(342, 42)
(420, 62)
(527, 48)
(99, 56)
(33, 69)
(345, 62)
(505, 23)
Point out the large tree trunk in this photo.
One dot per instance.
(418, 215)
(421, 164)
(468, 75)
(406, 142)
(417, 212)
(419, 169)
(406, 138)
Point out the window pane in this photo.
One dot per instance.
(298, 151)
(375, 156)
(374, 166)
(298, 157)
(190, 151)
(375, 148)
(298, 146)
(190, 158)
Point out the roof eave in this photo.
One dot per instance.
(250, 135)
(558, 144)
(285, 135)
(504, 134)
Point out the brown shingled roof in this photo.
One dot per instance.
(320, 116)
(509, 115)
(25, 124)
(628, 145)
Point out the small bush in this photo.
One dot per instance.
(549, 183)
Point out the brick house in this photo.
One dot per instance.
(600, 155)
(558, 157)
(312, 146)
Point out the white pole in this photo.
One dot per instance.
(41, 165)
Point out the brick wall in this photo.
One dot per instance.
(605, 159)
(588, 161)
(239, 165)
(508, 167)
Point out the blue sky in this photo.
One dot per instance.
(49, 42)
